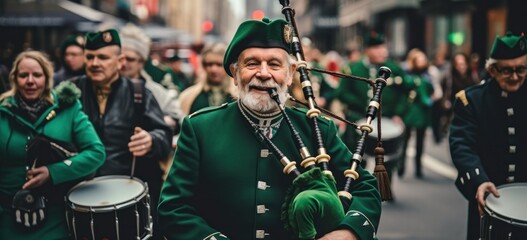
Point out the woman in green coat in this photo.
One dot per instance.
(28, 109)
(421, 98)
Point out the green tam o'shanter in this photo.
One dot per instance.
(260, 34)
(373, 39)
(96, 40)
(72, 40)
(509, 46)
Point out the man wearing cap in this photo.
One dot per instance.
(180, 80)
(227, 183)
(356, 95)
(72, 55)
(127, 118)
(488, 135)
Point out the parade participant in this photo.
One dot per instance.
(28, 109)
(487, 134)
(214, 87)
(180, 80)
(419, 115)
(136, 49)
(72, 55)
(127, 129)
(228, 185)
(355, 95)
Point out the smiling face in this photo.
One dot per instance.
(258, 70)
(30, 79)
(510, 74)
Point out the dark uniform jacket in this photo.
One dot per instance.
(116, 127)
(226, 184)
(488, 138)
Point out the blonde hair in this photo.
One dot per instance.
(215, 48)
(46, 65)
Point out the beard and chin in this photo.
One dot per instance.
(259, 102)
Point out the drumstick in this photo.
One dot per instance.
(133, 168)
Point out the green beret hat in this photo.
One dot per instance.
(508, 47)
(72, 40)
(260, 34)
(96, 40)
(373, 39)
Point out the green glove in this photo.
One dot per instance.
(312, 205)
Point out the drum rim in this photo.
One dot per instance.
(384, 138)
(109, 208)
(492, 213)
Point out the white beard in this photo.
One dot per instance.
(261, 103)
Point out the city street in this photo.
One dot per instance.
(429, 208)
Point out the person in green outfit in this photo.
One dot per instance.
(180, 80)
(214, 87)
(225, 183)
(32, 108)
(355, 95)
(419, 116)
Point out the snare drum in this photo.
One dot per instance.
(505, 217)
(109, 207)
(392, 138)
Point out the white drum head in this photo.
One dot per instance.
(511, 204)
(389, 128)
(106, 191)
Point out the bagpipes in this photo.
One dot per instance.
(309, 208)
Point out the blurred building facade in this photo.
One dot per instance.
(459, 25)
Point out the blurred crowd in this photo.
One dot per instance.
(419, 95)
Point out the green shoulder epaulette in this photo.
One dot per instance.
(462, 97)
(207, 109)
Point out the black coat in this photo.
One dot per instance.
(116, 127)
(488, 139)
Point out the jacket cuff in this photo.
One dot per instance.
(359, 223)
(216, 236)
(469, 181)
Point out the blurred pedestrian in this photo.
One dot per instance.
(356, 95)
(418, 118)
(136, 49)
(214, 87)
(179, 78)
(488, 135)
(72, 56)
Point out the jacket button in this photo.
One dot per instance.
(260, 209)
(262, 185)
(260, 234)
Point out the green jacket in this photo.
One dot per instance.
(419, 113)
(70, 124)
(356, 95)
(225, 184)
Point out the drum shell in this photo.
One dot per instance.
(392, 139)
(497, 223)
(121, 220)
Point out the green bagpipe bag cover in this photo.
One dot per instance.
(312, 206)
